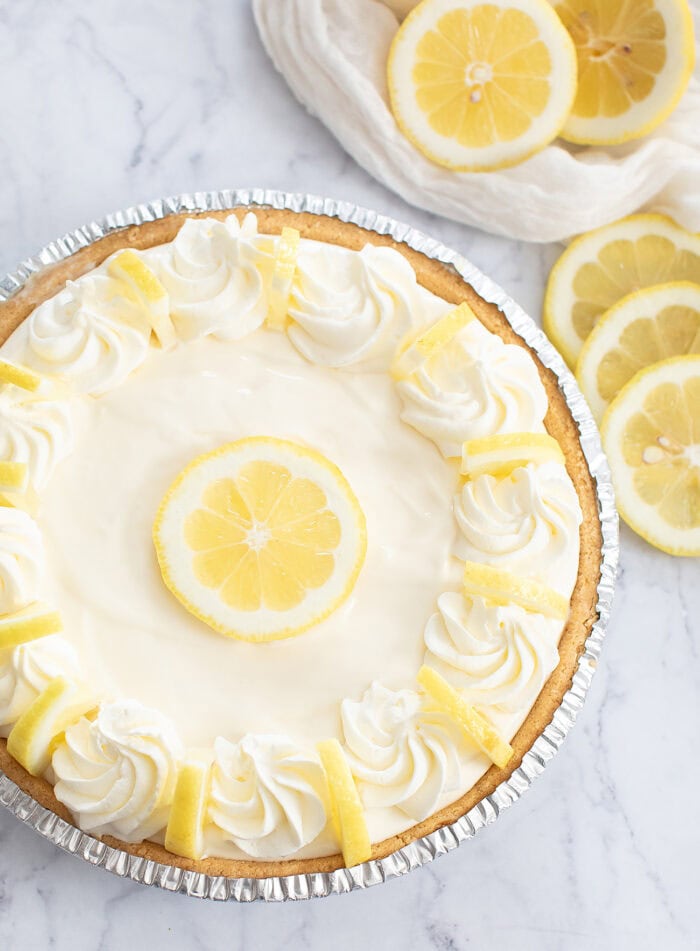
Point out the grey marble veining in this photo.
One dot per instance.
(111, 103)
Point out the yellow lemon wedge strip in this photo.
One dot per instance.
(29, 624)
(347, 814)
(503, 587)
(185, 831)
(283, 271)
(653, 324)
(35, 735)
(651, 435)
(499, 455)
(634, 63)
(478, 86)
(601, 267)
(19, 376)
(260, 539)
(475, 724)
(416, 349)
(13, 476)
(144, 284)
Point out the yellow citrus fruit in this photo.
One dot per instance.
(13, 476)
(643, 328)
(415, 349)
(261, 538)
(499, 455)
(185, 831)
(474, 723)
(603, 266)
(347, 814)
(503, 587)
(282, 276)
(147, 289)
(19, 376)
(29, 624)
(478, 86)
(635, 58)
(651, 435)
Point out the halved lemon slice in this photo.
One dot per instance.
(634, 63)
(13, 476)
(283, 271)
(603, 266)
(347, 814)
(650, 325)
(499, 455)
(185, 831)
(478, 86)
(651, 434)
(261, 538)
(36, 734)
(146, 287)
(474, 723)
(503, 587)
(417, 348)
(29, 624)
(19, 376)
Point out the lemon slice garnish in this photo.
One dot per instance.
(651, 435)
(499, 455)
(19, 376)
(474, 723)
(185, 831)
(603, 266)
(650, 325)
(282, 278)
(29, 624)
(503, 587)
(146, 287)
(416, 349)
(261, 538)
(479, 86)
(13, 476)
(634, 63)
(35, 735)
(347, 814)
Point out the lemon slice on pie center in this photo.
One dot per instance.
(261, 538)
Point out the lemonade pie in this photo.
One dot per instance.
(298, 544)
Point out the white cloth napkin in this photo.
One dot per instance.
(333, 55)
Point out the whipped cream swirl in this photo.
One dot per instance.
(212, 272)
(526, 522)
(117, 773)
(495, 655)
(268, 796)
(26, 670)
(353, 307)
(90, 333)
(35, 431)
(476, 386)
(403, 751)
(21, 559)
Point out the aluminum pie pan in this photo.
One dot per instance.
(425, 849)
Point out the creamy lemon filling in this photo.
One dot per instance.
(137, 417)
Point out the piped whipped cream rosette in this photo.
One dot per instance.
(261, 537)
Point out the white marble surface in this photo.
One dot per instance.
(111, 103)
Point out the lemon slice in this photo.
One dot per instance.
(19, 376)
(414, 350)
(643, 328)
(283, 271)
(145, 286)
(185, 831)
(502, 587)
(475, 724)
(261, 538)
(35, 735)
(347, 814)
(499, 455)
(603, 266)
(634, 63)
(478, 86)
(651, 434)
(29, 624)
(13, 476)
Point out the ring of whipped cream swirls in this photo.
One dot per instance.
(115, 770)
